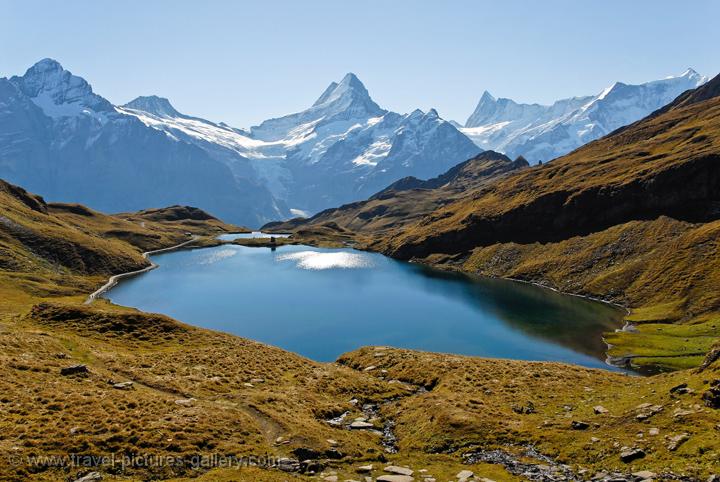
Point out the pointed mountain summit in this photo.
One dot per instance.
(57, 91)
(67, 143)
(326, 95)
(349, 95)
(153, 104)
(344, 100)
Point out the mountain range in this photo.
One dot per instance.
(342, 148)
(62, 140)
(545, 132)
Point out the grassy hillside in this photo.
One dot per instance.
(631, 218)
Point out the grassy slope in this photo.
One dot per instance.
(237, 396)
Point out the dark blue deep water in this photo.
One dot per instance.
(324, 302)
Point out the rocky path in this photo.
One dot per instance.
(113, 280)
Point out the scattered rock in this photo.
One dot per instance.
(628, 455)
(361, 425)
(682, 413)
(331, 478)
(654, 431)
(364, 469)
(303, 453)
(465, 474)
(395, 478)
(74, 370)
(714, 478)
(394, 469)
(526, 409)
(644, 474)
(648, 410)
(338, 421)
(578, 425)
(599, 410)
(257, 380)
(91, 477)
(311, 467)
(712, 396)
(370, 368)
(678, 388)
(677, 440)
(288, 465)
(123, 386)
(187, 402)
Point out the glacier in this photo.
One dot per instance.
(544, 132)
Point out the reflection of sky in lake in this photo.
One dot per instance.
(324, 302)
(317, 260)
(254, 234)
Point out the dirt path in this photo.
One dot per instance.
(113, 280)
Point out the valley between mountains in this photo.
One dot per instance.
(631, 218)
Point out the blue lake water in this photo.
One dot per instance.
(321, 303)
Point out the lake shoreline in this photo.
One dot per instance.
(549, 343)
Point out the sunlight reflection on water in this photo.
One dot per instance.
(313, 260)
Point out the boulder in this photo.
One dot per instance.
(123, 386)
(677, 440)
(395, 478)
(679, 388)
(578, 425)
(599, 410)
(628, 455)
(91, 477)
(712, 396)
(288, 465)
(464, 474)
(644, 474)
(74, 370)
(394, 469)
(361, 425)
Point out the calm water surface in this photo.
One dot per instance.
(254, 234)
(324, 302)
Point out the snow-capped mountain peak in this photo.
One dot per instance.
(326, 95)
(692, 75)
(544, 132)
(58, 92)
(349, 94)
(342, 101)
(153, 104)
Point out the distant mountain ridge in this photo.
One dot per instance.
(544, 132)
(341, 149)
(60, 139)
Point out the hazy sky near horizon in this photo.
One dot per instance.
(245, 61)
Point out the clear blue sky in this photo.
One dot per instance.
(242, 61)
